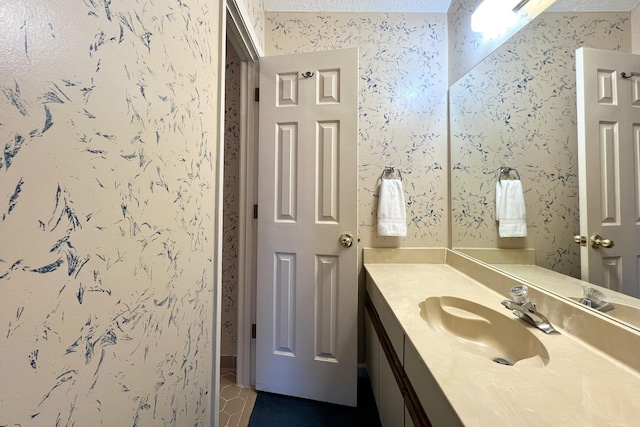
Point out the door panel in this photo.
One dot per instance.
(285, 308)
(326, 321)
(287, 172)
(328, 180)
(307, 281)
(609, 173)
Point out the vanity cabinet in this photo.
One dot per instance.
(453, 383)
(397, 402)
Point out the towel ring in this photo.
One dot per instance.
(391, 172)
(505, 173)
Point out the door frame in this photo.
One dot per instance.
(243, 38)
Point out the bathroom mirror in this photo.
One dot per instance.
(517, 108)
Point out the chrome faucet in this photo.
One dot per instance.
(526, 310)
(595, 299)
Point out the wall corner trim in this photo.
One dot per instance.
(241, 35)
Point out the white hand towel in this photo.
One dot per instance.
(510, 209)
(392, 218)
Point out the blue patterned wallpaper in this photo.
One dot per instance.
(403, 110)
(107, 193)
(518, 108)
(255, 17)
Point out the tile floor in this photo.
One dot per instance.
(236, 402)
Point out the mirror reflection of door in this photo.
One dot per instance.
(307, 288)
(518, 108)
(608, 99)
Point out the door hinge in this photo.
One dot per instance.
(255, 211)
(256, 95)
(253, 330)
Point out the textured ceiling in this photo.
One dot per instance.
(356, 5)
(593, 5)
(428, 5)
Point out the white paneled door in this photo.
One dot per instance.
(307, 288)
(608, 89)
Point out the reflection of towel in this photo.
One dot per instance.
(510, 209)
(392, 218)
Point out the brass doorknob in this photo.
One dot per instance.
(597, 241)
(582, 240)
(346, 240)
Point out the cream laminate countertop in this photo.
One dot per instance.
(580, 386)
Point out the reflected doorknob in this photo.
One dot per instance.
(597, 241)
(346, 240)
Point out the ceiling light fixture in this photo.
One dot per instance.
(493, 18)
(519, 6)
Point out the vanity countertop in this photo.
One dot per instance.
(580, 385)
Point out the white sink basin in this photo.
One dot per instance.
(483, 331)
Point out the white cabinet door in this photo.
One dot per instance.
(391, 407)
(373, 357)
(407, 418)
(387, 393)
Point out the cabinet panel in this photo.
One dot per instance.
(407, 418)
(373, 357)
(391, 406)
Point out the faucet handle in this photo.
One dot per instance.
(520, 294)
(593, 295)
